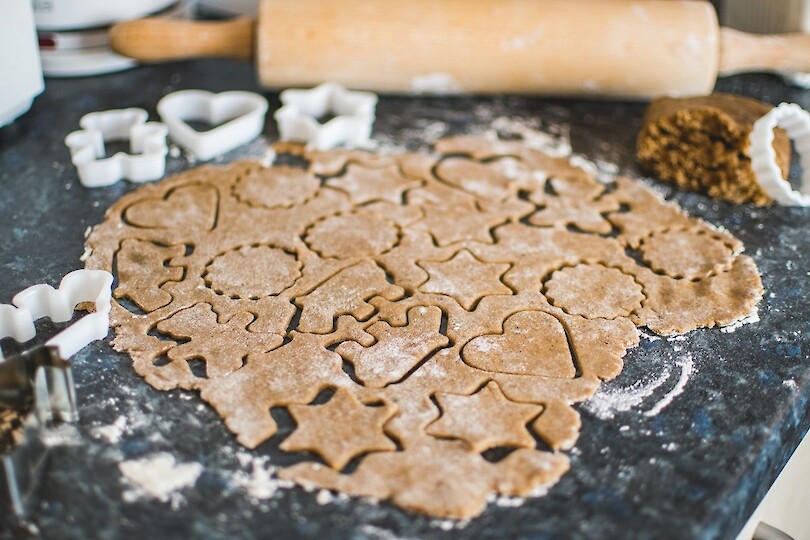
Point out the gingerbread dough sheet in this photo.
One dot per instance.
(427, 321)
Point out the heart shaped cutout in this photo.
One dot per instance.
(191, 207)
(238, 117)
(532, 343)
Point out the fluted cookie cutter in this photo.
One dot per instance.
(38, 383)
(147, 145)
(353, 116)
(796, 122)
(238, 118)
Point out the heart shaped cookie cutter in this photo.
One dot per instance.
(237, 115)
(146, 162)
(796, 122)
(353, 112)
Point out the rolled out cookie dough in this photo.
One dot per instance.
(427, 321)
(701, 144)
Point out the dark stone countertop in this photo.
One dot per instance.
(696, 470)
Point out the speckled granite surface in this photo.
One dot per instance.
(696, 469)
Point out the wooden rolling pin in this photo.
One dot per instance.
(627, 48)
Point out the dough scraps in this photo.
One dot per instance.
(11, 428)
(701, 144)
(427, 321)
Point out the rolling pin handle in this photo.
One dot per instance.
(163, 40)
(742, 53)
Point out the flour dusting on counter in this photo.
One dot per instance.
(687, 366)
(611, 399)
(555, 140)
(608, 400)
(158, 476)
(61, 435)
(752, 318)
(260, 483)
(112, 432)
(449, 524)
(372, 532)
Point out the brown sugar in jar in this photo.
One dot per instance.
(701, 144)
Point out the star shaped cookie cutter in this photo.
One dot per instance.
(796, 122)
(146, 162)
(353, 112)
(38, 383)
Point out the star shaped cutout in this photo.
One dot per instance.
(353, 114)
(486, 419)
(451, 224)
(364, 185)
(464, 278)
(340, 429)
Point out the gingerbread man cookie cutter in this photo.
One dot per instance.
(351, 124)
(796, 122)
(145, 162)
(38, 301)
(237, 115)
(38, 382)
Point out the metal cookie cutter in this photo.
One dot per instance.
(147, 140)
(796, 122)
(238, 117)
(353, 116)
(38, 384)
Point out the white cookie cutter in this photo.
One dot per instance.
(39, 382)
(147, 143)
(238, 117)
(796, 122)
(38, 301)
(353, 112)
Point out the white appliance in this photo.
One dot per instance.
(20, 70)
(73, 34)
(83, 14)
